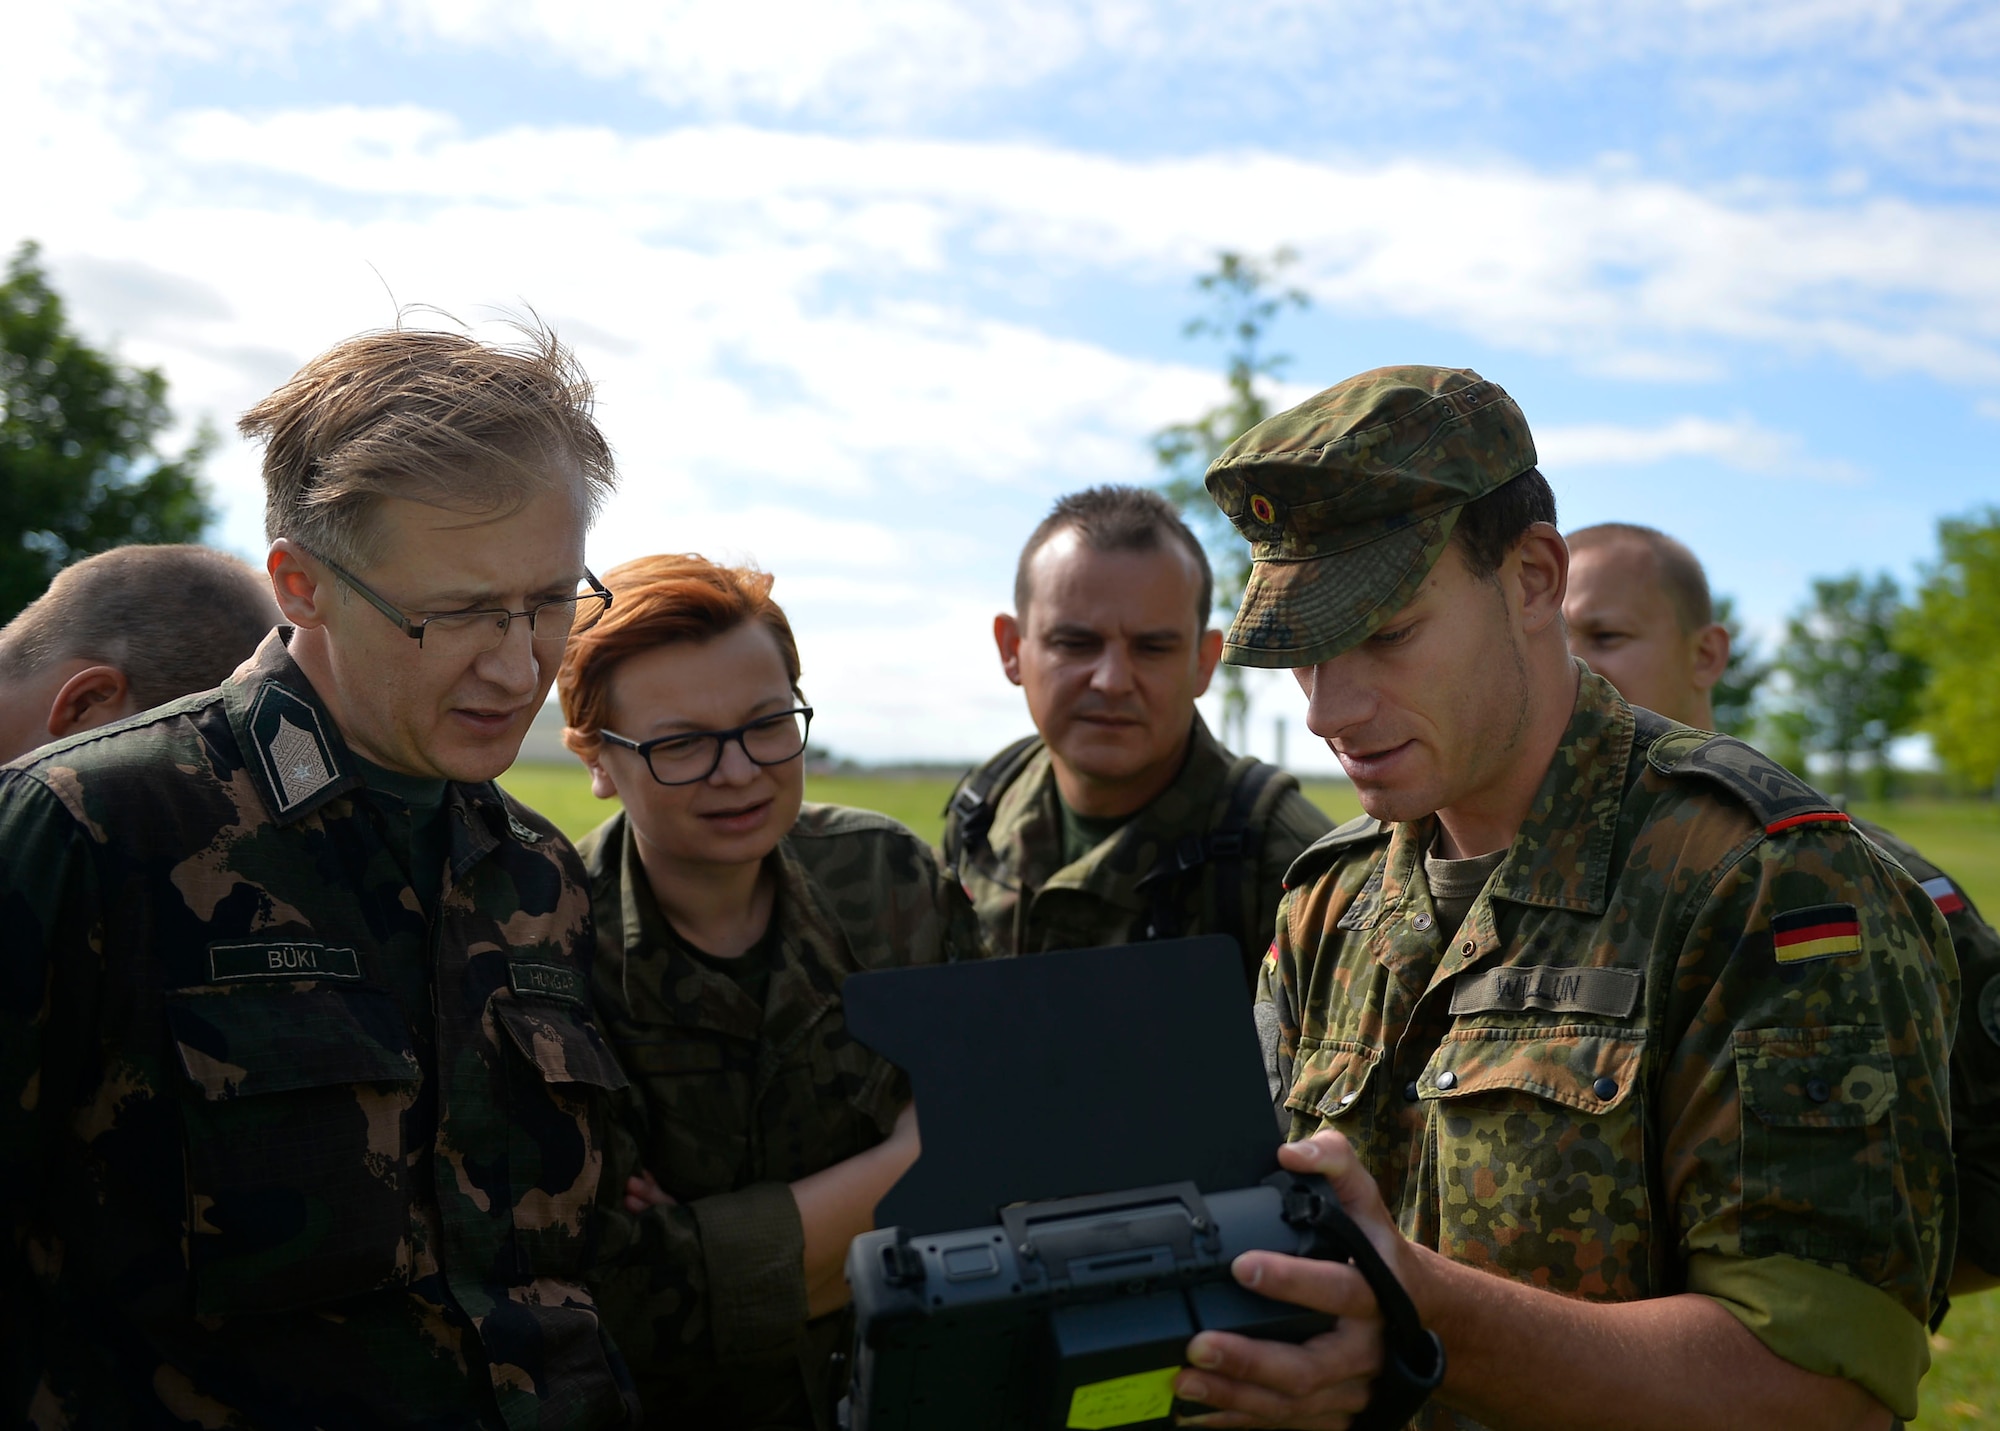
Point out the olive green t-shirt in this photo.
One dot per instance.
(1455, 884)
(752, 969)
(1083, 833)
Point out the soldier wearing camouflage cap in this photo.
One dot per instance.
(1626, 1049)
(300, 1096)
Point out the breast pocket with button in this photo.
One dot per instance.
(1538, 1140)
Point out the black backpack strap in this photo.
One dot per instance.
(968, 815)
(1221, 853)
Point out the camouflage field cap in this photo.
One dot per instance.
(1348, 499)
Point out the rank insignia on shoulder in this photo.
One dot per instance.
(1825, 931)
(1944, 894)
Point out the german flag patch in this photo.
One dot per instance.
(1826, 931)
(1944, 894)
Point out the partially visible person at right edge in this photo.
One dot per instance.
(1626, 1050)
(758, 1134)
(1640, 614)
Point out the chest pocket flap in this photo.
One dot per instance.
(1591, 1068)
(558, 1041)
(1329, 1077)
(238, 1043)
(297, 1154)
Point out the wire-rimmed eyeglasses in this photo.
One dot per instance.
(473, 633)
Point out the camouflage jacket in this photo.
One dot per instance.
(730, 1103)
(1691, 1036)
(1975, 1056)
(276, 1150)
(1160, 876)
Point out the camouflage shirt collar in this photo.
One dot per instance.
(293, 750)
(812, 954)
(299, 761)
(1112, 870)
(1561, 856)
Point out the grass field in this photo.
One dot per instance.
(1963, 1388)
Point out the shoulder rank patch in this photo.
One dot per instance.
(1825, 931)
(1778, 798)
(1944, 894)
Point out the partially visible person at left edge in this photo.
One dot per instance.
(758, 1134)
(299, 1093)
(122, 632)
(1640, 614)
(1123, 817)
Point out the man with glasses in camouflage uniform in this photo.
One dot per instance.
(299, 1092)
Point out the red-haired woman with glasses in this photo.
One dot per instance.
(757, 1135)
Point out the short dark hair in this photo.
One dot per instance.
(1680, 571)
(1115, 518)
(174, 619)
(1489, 526)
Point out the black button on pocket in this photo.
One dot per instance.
(1605, 1088)
(1818, 1089)
(1410, 1091)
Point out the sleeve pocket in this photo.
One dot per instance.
(1818, 1143)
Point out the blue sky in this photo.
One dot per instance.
(866, 285)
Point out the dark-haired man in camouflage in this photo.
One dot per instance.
(1641, 615)
(299, 1093)
(1627, 1050)
(1123, 818)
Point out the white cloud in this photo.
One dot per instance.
(1739, 443)
(1622, 273)
(799, 337)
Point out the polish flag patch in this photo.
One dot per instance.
(1825, 931)
(1944, 894)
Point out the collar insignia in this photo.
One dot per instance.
(291, 741)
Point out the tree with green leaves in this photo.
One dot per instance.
(81, 469)
(1244, 297)
(1954, 629)
(1853, 688)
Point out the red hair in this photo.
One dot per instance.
(657, 601)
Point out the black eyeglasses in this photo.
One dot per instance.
(473, 633)
(686, 759)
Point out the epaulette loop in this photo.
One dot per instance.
(1776, 797)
